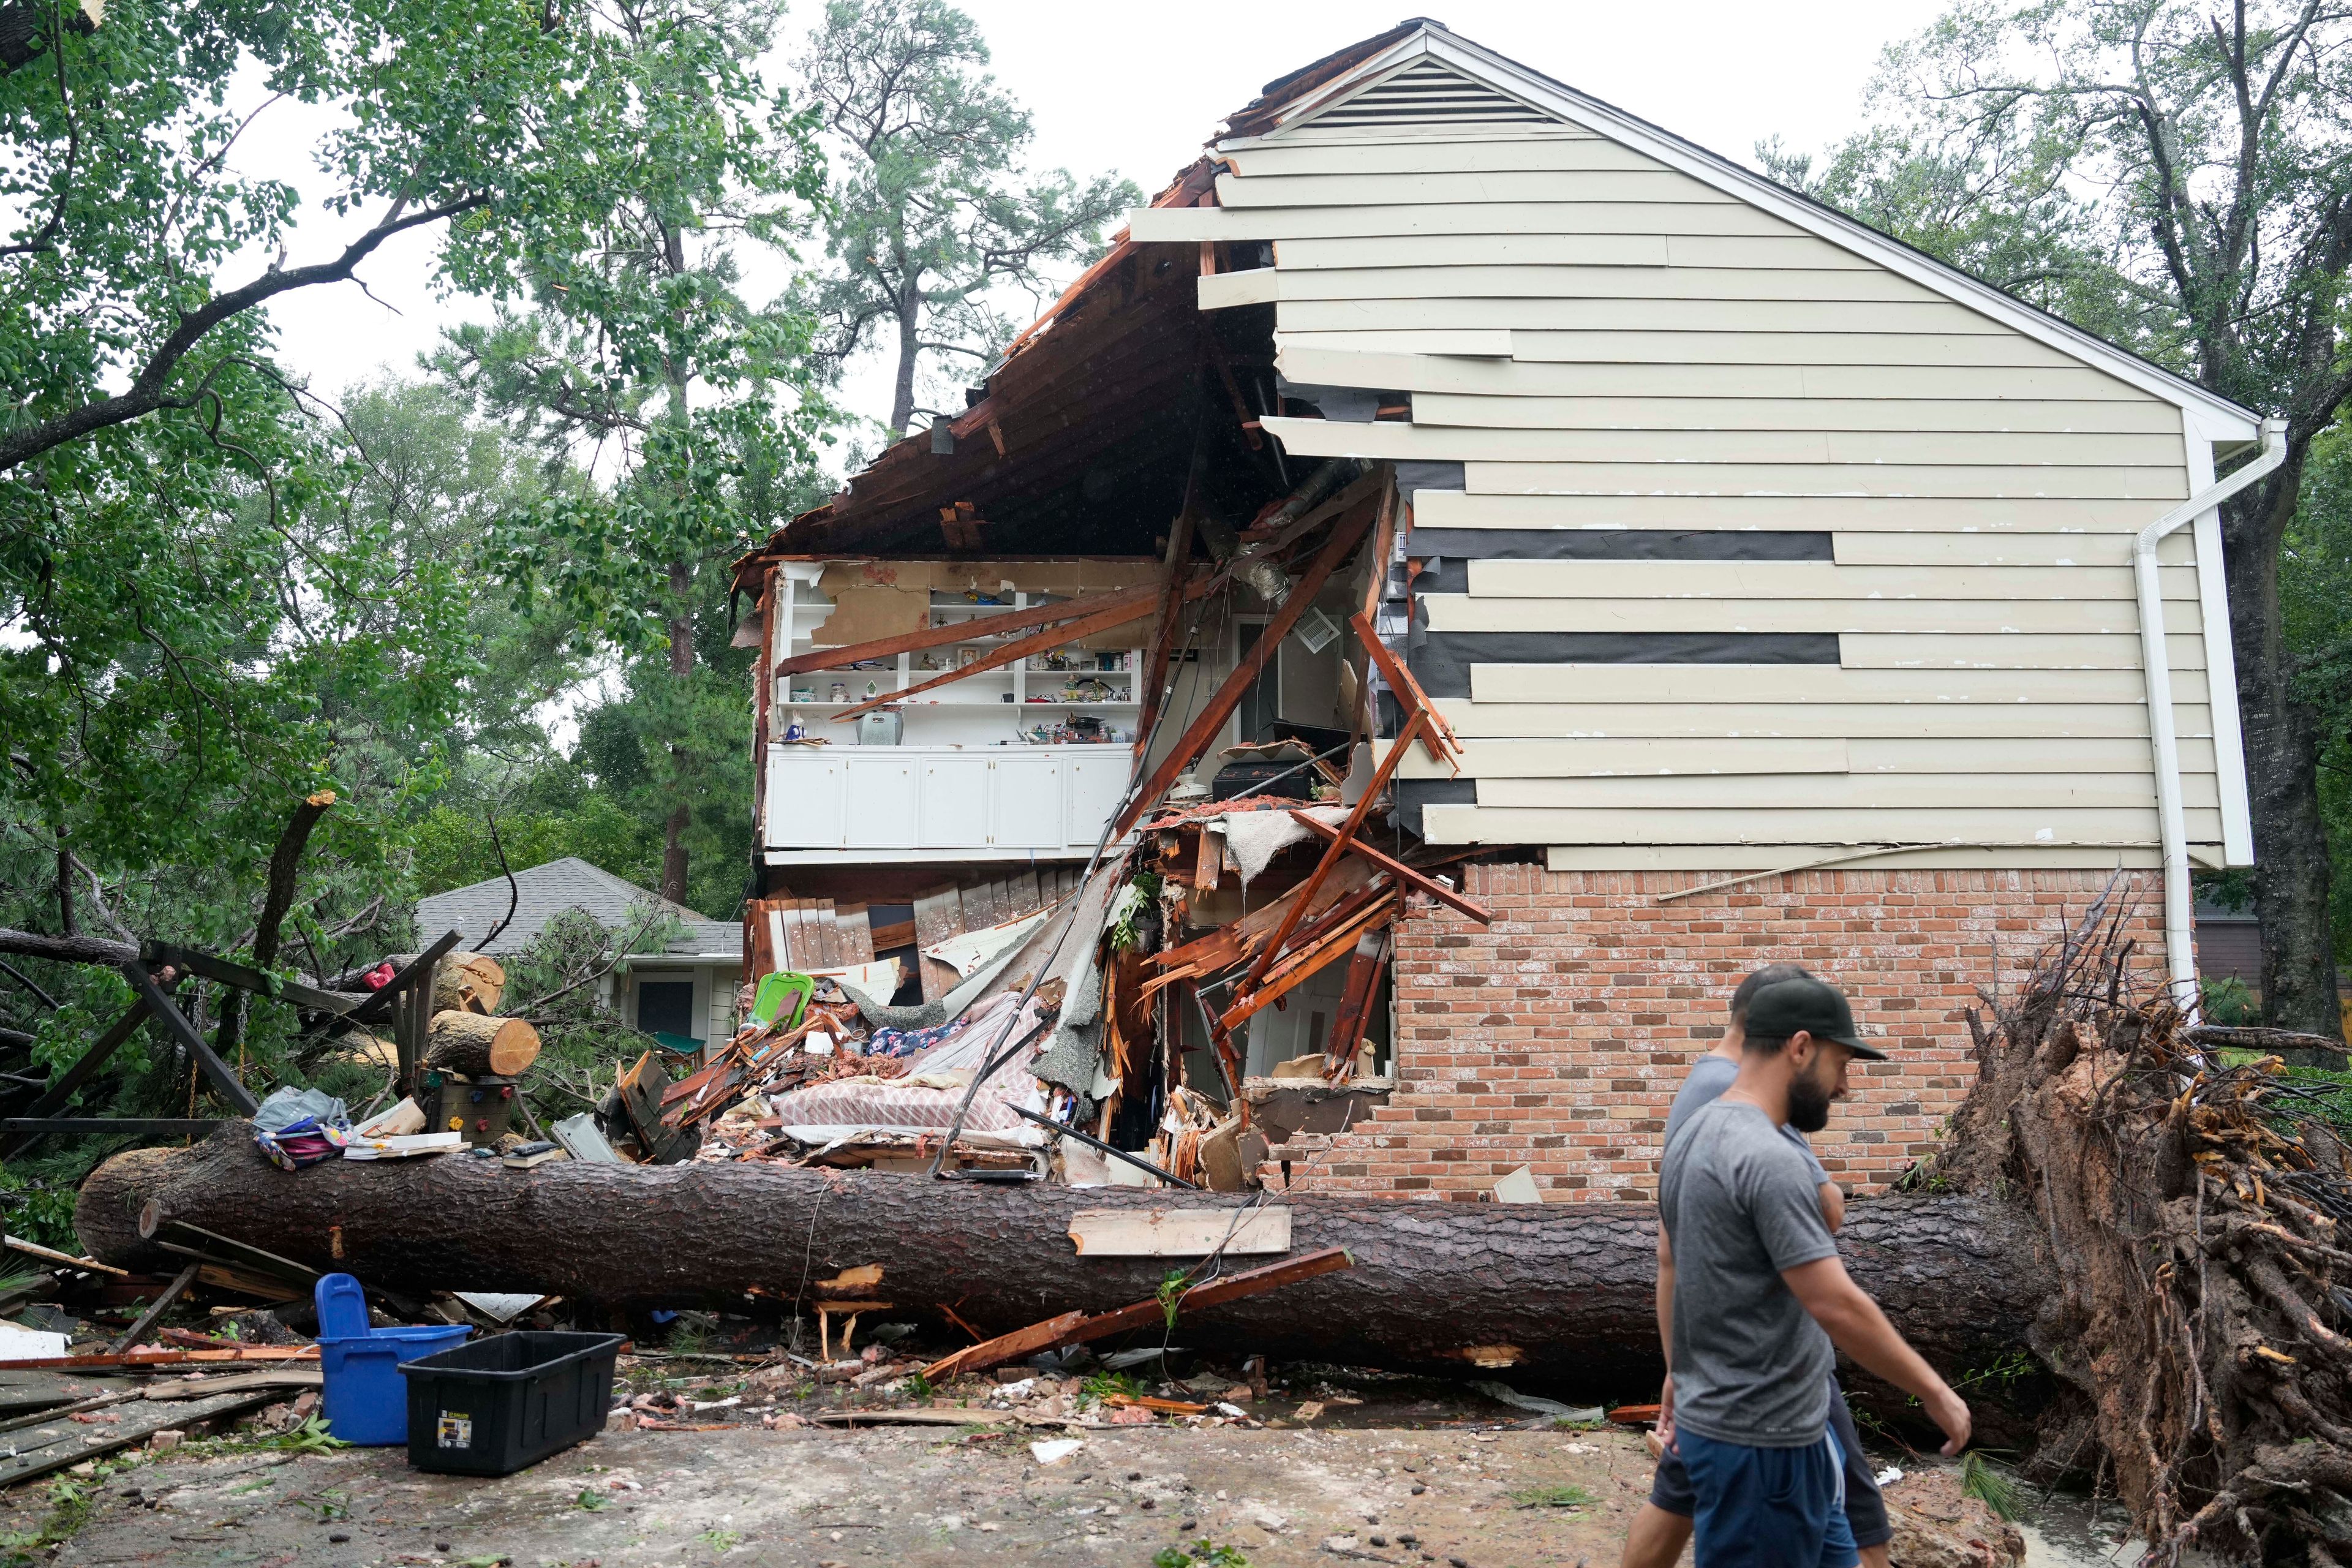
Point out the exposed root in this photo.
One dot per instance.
(2191, 1216)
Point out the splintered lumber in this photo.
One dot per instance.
(474, 1044)
(1570, 1286)
(1399, 870)
(1073, 1329)
(468, 982)
(156, 1309)
(67, 1442)
(1136, 602)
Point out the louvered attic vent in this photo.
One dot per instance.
(1428, 94)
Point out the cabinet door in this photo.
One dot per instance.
(1028, 813)
(954, 811)
(881, 808)
(804, 799)
(1097, 778)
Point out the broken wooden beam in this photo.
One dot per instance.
(1400, 871)
(1075, 1328)
(1139, 599)
(156, 1309)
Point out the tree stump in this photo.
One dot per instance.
(474, 1044)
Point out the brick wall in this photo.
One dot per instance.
(1557, 1037)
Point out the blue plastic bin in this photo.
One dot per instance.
(364, 1397)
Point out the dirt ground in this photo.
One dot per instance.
(935, 1495)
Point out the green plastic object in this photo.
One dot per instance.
(780, 991)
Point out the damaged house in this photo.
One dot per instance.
(1467, 576)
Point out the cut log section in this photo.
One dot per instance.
(468, 982)
(1562, 1292)
(474, 1045)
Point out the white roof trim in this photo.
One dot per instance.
(2216, 418)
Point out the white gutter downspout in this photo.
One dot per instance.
(2180, 937)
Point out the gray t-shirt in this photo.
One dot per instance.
(1709, 1076)
(1750, 1364)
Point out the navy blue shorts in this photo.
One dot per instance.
(1767, 1508)
(1865, 1510)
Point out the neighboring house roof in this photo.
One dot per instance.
(1360, 70)
(542, 893)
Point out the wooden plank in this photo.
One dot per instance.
(134, 1360)
(1717, 858)
(1983, 480)
(1895, 618)
(2017, 651)
(1608, 683)
(1920, 548)
(42, 1449)
(1301, 963)
(1675, 378)
(1077, 1327)
(1625, 756)
(1419, 157)
(1208, 860)
(1535, 217)
(1847, 513)
(50, 1255)
(1655, 184)
(1849, 792)
(1348, 1023)
(1691, 343)
(147, 1320)
(1439, 410)
(1521, 282)
(854, 928)
(959, 631)
(1180, 1233)
(1210, 720)
(1397, 869)
(1024, 895)
(1508, 724)
(1762, 318)
(828, 934)
(938, 916)
(1922, 444)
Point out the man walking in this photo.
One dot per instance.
(1758, 1298)
(1661, 1527)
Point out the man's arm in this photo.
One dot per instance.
(1856, 1326)
(1833, 1207)
(1666, 1332)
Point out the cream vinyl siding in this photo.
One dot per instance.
(1606, 344)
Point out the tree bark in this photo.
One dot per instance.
(468, 982)
(681, 670)
(2291, 874)
(474, 1045)
(911, 326)
(277, 899)
(1561, 1293)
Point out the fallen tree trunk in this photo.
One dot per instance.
(1559, 1292)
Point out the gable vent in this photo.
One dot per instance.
(1428, 94)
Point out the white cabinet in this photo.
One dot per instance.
(1095, 784)
(1028, 806)
(955, 802)
(881, 809)
(804, 799)
(940, 802)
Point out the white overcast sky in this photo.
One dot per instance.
(1135, 89)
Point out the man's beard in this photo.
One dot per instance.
(1809, 1103)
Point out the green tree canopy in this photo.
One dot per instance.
(2179, 180)
(933, 212)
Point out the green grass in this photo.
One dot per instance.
(1551, 1497)
(1099, 1386)
(1989, 1486)
(72, 1503)
(1202, 1554)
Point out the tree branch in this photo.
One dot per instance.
(147, 393)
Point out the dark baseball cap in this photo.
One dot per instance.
(1815, 1007)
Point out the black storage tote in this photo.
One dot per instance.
(494, 1407)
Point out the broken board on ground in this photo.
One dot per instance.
(22, 1392)
(58, 1445)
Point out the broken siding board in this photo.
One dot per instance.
(938, 916)
(2035, 450)
(1227, 225)
(1893, 385)
(2123, 721)
(1751, 319)
(1433, 410)
(1701, 579)
(1180, 1233)
(1921, 617)
(1973, 825)
(1660, 683)
(1701, 479)
(1838, 513)
(1846, 792)
(2072, 550)
(1637, 187)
